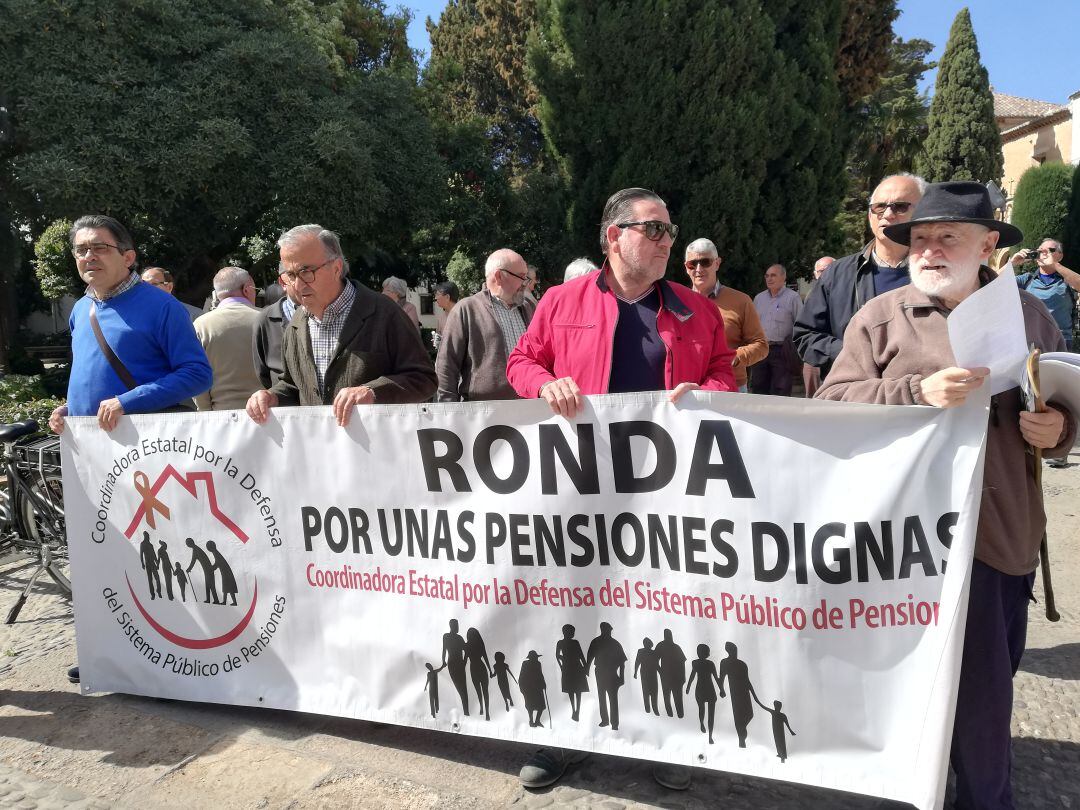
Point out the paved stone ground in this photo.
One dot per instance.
(60, 749)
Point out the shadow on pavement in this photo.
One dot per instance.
(1062, 662)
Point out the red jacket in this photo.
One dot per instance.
(572, 332)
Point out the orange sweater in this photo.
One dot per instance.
(742, 327)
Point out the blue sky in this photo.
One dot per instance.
(1028, 46)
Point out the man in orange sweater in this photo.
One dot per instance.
(742, 327)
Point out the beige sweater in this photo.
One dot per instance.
(226, 334)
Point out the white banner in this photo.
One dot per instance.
(751, 584)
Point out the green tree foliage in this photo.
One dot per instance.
(864, 47)
(53, 262)
(731, 112)
(963, 141)
(1041, 203)
(1071, 236)
(463, 270)
(890, 127)
(201, 122)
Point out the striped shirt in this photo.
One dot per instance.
(510, 320)
(325, 331)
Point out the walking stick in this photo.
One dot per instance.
(1044, 549)
(551, 714)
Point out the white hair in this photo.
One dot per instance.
(578, 267)
(231, 279)
(702, 245)
(920, 183)
(501, 259)
(330, 242)
(397, 286)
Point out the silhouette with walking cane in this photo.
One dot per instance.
(533, 688)
(199, 556)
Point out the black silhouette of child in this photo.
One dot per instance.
(705, 671)
(431, 686)
(228, 581)
(199, 556)
(648, 663)
(533, 688)
(779, 720)
(149, 564)
(181, 581)
(166, 568)
(501, 672)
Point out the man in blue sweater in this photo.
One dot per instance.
(158, 363)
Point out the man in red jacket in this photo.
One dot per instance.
(621, 328)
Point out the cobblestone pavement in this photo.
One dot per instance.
(60, 749)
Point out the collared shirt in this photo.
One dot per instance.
(325, 331)
(119, 289)
(778, 313)
(288, 309)
(510, 321)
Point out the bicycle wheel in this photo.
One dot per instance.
(41, 519)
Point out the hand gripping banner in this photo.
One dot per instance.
(750, 584)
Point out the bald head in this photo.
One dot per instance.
(506, 274)
(821, 265)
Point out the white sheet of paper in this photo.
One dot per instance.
(987, 329)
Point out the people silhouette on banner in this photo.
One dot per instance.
(166, 568)
(228, 581)
(479, 669)
(672, 661)
(574, 673)
(198, 556)
(704, 671)
(148, 560)
(431, 686)
(647, 663)
(453, 658)
(533, 688)
(610, 660)
(735, 672)
(502, 674)
(779, 722)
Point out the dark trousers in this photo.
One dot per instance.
(993, 645)
(773, 374)
(607, 694)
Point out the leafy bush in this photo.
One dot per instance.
(1041, 203)
(25, 397)
(54, 264)
(464, 272)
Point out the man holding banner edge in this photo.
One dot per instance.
(621, 328)
(896, 352)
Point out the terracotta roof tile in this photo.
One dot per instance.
(1006, 106)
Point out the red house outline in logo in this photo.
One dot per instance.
(189, 482)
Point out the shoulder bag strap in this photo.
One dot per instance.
(110, 355)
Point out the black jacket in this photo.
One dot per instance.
(846, 286)
(266, 344)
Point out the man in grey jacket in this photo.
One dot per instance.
(482, 330)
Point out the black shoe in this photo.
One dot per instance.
(73, 674)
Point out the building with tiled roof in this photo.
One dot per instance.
(1035, 132)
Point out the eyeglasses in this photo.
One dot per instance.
(693, 264)
(97, 248)
(654, 229)
(156, 283)
(523, 278)
(305, 274)
(877, 209)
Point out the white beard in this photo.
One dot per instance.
(947, 285)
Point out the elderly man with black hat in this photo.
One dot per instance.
(896, 352)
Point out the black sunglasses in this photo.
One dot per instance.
(654, 229)
(898, 207)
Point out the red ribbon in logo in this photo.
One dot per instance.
(150, 502)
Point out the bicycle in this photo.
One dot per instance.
(32, 504)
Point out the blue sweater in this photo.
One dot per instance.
(151, 333)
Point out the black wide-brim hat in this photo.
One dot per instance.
(955, 201)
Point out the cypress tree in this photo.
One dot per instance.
(731, 112)
(963, 141)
